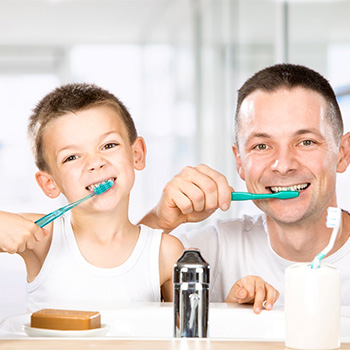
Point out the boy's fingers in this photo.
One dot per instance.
(40, 233)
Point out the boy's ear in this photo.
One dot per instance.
(139, 150)
(238, 161)
(47, 184)
(344, 153)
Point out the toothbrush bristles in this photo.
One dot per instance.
(333, 221)
(333, 217)
(103, 187)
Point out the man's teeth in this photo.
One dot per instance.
(299, 187)
(92, 187)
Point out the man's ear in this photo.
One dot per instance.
(47, 184)
(139, 150)
(344, 153)
(238, 161)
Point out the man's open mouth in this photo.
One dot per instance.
(299, 188)
(92, 187)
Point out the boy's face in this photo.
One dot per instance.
(286, 141)
(86, 148)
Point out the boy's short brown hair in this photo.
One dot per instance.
(66, 99)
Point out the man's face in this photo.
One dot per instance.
(285, 142)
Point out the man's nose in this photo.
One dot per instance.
(284, 161)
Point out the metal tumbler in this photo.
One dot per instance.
(191, 295)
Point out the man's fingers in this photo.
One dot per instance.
(200, 187)
(260, 294)
(242, 295)
(223, 189)
(271, 296)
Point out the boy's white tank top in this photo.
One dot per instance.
(67, 280)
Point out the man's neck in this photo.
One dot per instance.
(302, 242)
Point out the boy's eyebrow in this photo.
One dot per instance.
(102, 136)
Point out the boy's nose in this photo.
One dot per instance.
(96, 163)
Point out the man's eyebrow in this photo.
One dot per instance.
(308, 131)
(261, 135)
(300, 132)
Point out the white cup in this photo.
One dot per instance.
(312, 307)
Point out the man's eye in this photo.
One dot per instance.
(261, 147)
(70, 158)
(110, 145)
(307, 142)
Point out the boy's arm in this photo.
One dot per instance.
(253, 290)
(19, 234)
(170, 251)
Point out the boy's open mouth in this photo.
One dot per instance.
(299, 188)
(92, 187)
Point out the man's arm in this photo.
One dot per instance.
(191, 196)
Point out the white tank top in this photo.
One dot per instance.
(67, 280)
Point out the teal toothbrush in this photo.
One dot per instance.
(333, 221)
(99, 189)
(243, 196)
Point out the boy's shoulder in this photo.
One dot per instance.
(170, 242)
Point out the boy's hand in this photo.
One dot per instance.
(191, 196)
(253, 290)
(18, 234)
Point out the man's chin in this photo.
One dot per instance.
(286, 217)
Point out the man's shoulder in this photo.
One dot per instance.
(245, 225)
(233, 228)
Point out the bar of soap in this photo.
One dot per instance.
(65, 319)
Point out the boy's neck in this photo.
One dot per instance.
(105, 240)
(103, 226)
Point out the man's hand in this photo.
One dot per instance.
(253, 290)
(191, 196)
(18, 234)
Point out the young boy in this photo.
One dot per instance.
(92, 257)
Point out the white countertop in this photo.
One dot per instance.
(155, 321)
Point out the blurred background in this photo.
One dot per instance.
(176, 64)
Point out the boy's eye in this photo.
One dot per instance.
(70, 158)
(110, 145)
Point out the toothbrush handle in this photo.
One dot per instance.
(244, 196)
(58, 212)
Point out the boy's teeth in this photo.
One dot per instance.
(92, 187)
(299, 187)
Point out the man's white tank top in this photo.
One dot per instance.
(67, 280)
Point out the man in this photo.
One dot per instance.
(289, 135)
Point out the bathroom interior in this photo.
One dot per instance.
(177, 66)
